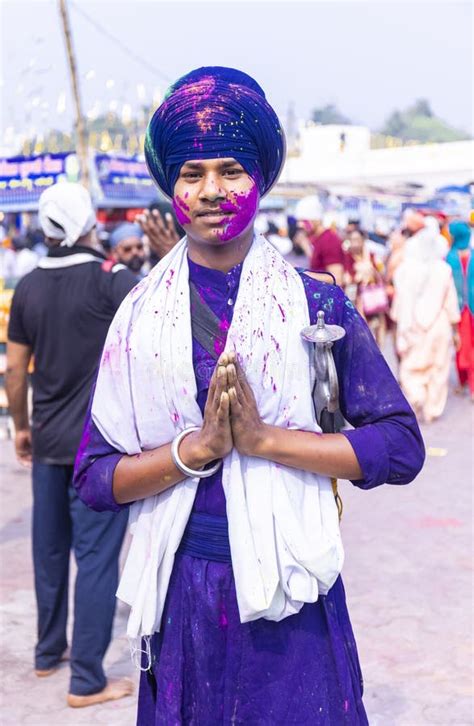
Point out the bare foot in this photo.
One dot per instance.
(116, 688)
(49, 671)
(45, 673)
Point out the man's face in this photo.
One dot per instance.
(131, 252)
(215, 200)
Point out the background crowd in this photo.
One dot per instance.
(412, 280)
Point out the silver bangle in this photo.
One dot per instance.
(201, 473)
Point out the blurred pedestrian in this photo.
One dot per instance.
(412, 221)
(364, 284)
(426, 311)
(325, 246)
(127, 247)
(60, 314)
(396, 245)
(461, 260)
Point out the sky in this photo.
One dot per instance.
(367, 57)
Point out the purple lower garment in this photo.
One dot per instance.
(209, 669)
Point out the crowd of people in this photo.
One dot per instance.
(182, 391)
(415, 282)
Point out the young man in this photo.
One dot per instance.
(60, 315)
(233, 572)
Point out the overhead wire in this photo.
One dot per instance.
(131, 53)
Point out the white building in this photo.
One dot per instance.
(341, 155)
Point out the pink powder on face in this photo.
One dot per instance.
(182, 203)
(181, 216)
(244, 207)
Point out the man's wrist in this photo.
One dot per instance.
(21, 425)
(265, 441)
(193, 452)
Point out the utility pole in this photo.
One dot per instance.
(82, 151)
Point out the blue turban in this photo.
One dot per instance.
(125, 231)
(461, 234)
(213, 113)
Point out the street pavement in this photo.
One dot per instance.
(407, 576)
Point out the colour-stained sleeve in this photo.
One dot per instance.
(94, 469)
(386, 438)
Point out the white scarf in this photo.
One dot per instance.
(283, 523)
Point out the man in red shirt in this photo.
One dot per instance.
(324, 246)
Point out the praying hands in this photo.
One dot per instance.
(231, 420)
(247, 427)
(232, 406)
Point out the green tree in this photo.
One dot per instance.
(419, 123)
(329, 114)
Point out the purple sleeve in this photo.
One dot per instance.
(386, 438)
(94, 469)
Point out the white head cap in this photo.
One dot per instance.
(66, 212)
(309, 208)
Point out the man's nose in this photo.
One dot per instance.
(211, 189)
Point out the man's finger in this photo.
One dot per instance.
(221, 385)
(235, 405)
(231, 374)
(24, 460)
(223, 409)
(158, 220)
(212, 386)
(170, 228)
(241, 383)
(240, 392)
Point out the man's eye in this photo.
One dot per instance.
(191, 175)
(233, 172)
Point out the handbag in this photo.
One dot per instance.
(374, 298)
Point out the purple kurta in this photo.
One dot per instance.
(208, 668)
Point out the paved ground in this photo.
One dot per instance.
(408, 582)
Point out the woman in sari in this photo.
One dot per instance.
(426, 312)
(461, 261)
(202, 422)
(364, 284)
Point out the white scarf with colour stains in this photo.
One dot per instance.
(283, 523)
